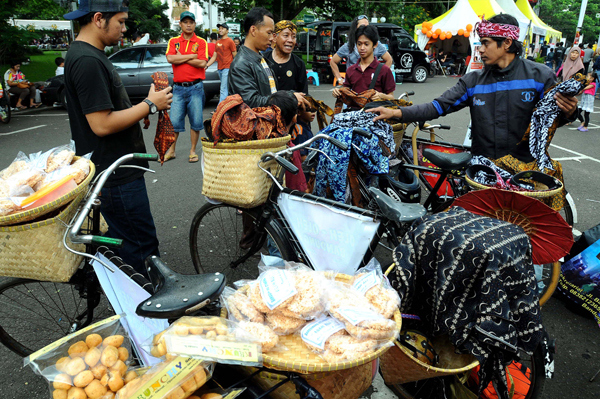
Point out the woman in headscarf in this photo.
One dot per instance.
(573, 64)
(350, 52)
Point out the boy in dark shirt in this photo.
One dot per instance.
(302, 130)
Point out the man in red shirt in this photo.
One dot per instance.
(188, 53)
(212, 44)
(224, 53)
(360, 75)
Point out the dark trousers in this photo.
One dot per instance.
(586, 67)
(23, 93)
(583, 116)
(126, 209)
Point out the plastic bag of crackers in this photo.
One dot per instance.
(92, 363)
(375, 287)
(178, 378)
(211, 338)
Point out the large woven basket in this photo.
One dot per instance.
(398, 366)
(297, 357)
(343, 384)
(541, 191)
(35, 251)
(231, 173)
(35, 213)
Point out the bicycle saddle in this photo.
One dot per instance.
(448, 161)
(394, 210)
(178, 295)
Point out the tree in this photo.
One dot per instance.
(563, 15)
(148, 17)
(39, 9)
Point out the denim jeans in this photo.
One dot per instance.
(223, 76)
(126, 209)
(187, 100)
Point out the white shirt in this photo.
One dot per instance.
(59, 71)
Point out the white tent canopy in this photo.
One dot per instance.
(457, 18)
(511, 8)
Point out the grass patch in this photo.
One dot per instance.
(40, 68)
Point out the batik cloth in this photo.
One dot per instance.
(323, 111)
(269, 73)
(352, 99)
(235, 120)
(369, 152)
(471, 277)
(486, 28)
(165, 134)
(285, 24)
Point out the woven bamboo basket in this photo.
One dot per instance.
(300, 359)
(342, 384)
(541, 190)
(398, 366)
(231, 174)
(35, 213)
(35, 251)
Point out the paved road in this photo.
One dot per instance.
(175, 195)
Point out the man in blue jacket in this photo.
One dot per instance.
(501, 97)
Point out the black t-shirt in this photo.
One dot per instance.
(93, 85)
(290, 75)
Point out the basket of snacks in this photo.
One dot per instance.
(35, 185)
(231, 174)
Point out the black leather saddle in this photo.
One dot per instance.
(400, 212)
(178, 295)
(446, 161)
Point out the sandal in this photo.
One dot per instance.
(37, 105)
(193, 158)
(169, 157)
(21, 108)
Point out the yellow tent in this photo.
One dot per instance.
(525, 8)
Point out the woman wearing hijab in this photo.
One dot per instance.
(572, 65)
(350, 52)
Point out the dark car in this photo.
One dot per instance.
(409, 60)
(135, 66)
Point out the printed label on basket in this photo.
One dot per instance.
(317, 332)
(275, 287)
(243, 352)
(366, 282)
(169, 378)
(356, 315)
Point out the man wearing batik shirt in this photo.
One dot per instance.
(501, 97)
(189, 54)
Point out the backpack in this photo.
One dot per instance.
(520, 375)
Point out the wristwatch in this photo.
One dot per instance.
(152, 106)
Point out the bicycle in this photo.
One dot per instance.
(5, 108)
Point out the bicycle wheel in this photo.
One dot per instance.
(215, 237)
(535, 363)
(34, 314)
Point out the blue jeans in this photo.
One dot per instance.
(223, 76)
(126, 209)
(187, 100)
(558, 64)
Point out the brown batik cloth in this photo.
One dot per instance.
(235, 120)
(323, 111)
(165, 134)
(353, 99)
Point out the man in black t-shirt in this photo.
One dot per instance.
(104, 122)
(288, 68)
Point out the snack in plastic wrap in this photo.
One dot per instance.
(20, 163)
(4, 188)
(7, 207)
(360, 318)
(91, 363)
(178, 378)
(371, 282)
(209, 338)
(26, 177)
(265, 335)
(80, 169)
(59, 157)
(240, 307)
(283, 325)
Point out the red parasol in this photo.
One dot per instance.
(551, 237)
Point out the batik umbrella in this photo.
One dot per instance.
(551, 237)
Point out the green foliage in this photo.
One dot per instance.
(147, 16)
(39, 9)
(540, 60)
(40, 68)
(563, 15)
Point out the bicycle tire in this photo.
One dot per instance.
(33, 314)
(215, 234)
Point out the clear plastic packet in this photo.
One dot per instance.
(7, 206)
(295, 292)
(360, 318)
(240, 307)
(282, 324)
(218, 393)
(21, 162)
(24, 181)
(90, 363)
(264, 335)
(374, 285)
(79, 169)
(178, 378)
(57, 157)
(208, 338)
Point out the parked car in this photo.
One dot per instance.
(409, 60)
(135, 66)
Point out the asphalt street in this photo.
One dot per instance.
(175, 195)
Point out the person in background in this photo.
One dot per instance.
(237, 43)
(550, 59)
(188, 54)
(140, 40)
(288, 68)
(212, 44)
(60, 66)
(104, 122)
(588, 53)
(596, 69)
(544, 49)
(12, 78)
(559, 56)
(572, 65)
(586, 105)
(224, 53)
(303, 130)
(350, 52)
(360, 75)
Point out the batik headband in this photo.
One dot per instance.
(284, 24)
(490, 29)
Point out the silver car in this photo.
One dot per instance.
(136, 65)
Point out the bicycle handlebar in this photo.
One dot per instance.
(362, 132)
(429, 127)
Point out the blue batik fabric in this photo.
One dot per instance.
(369, 152)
